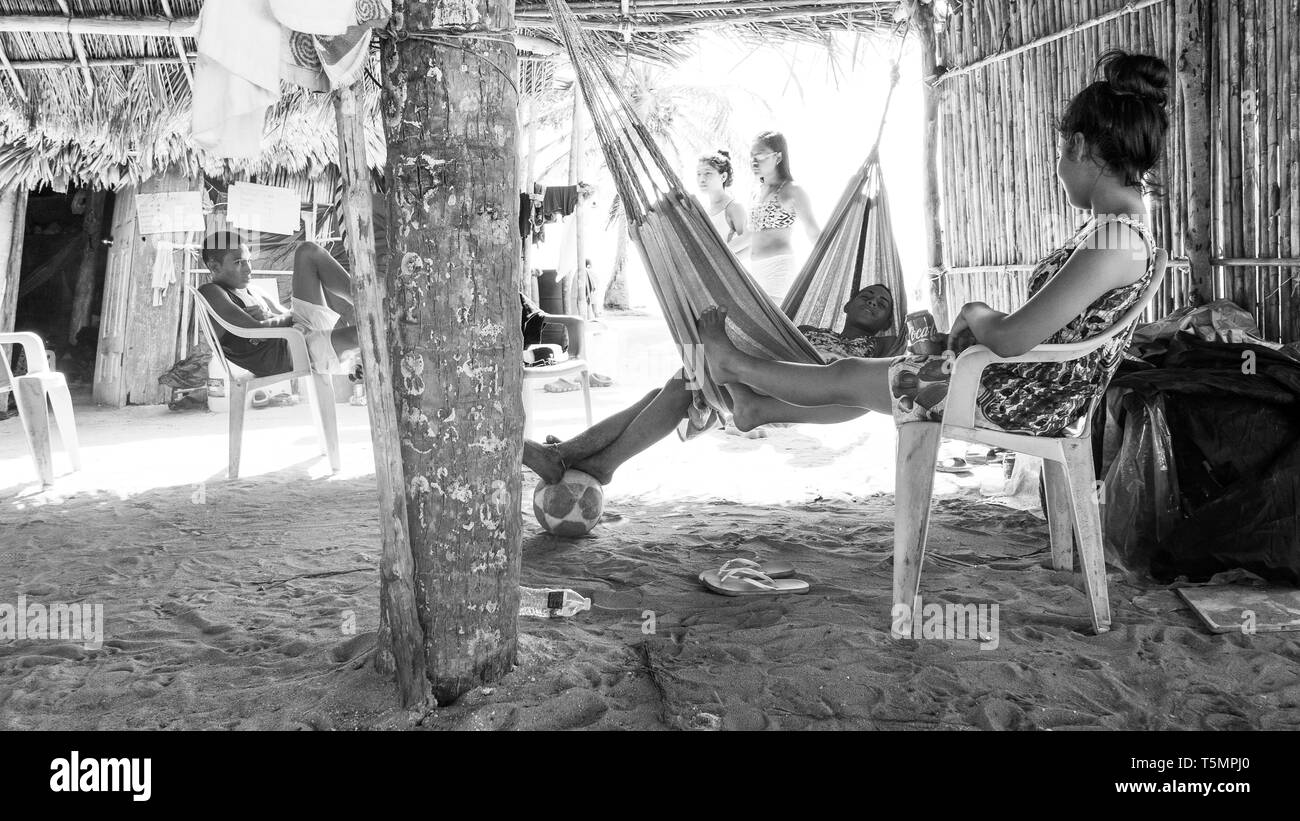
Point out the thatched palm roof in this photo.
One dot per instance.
(108, 109)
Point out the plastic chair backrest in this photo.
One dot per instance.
(204, 317)
(33, 348)
(1127, 324)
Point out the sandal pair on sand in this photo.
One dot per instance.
(564, 385)
(742, 577)
(958, 464)
(263, 399)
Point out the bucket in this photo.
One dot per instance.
(218, 396)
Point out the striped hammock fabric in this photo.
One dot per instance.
(689, 265)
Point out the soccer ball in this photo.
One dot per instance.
(571, 506)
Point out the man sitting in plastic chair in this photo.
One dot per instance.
(321, 308)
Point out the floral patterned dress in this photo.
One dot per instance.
(1041, 399)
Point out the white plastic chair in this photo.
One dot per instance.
(1072, 510)
(240, 383)
(30, 392)
(574, 364)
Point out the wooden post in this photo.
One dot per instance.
(453, 307)
(923, 19)
(13, 226)
(1193, 33)
(90, 258)
(530, 178)
(575, 290)
(401, 639)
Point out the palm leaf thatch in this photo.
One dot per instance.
(108, 110)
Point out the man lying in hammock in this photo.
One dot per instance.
(321, 307)
(605, 446)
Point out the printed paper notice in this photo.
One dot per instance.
(263, 208)
(170, 213)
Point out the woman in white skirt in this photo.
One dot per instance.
(778, 207)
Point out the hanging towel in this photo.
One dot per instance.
(164, 268)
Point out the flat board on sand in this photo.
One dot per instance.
(1226, 608)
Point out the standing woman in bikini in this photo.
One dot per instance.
(779, 206)
(714, 174)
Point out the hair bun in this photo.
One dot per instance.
(1138, 74)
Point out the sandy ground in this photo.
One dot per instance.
(231, 607)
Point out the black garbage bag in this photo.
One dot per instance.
(1201, 476)
(188, 380)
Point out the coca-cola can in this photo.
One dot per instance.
(921, 327)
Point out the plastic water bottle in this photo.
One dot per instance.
(544, 603)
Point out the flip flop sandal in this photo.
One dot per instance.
(745, 581)
(952, 464)
(598, 380)
(773, 570)
(560, 385)
(261, 398)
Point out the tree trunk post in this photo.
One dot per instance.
(1193, 33)
(13, 226)
(453, 285)
(924, 22)
(400, 647)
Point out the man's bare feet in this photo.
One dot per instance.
(718, 350)
(745, 408)
(544, 460)
(593, 468)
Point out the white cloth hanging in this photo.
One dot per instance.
(237, 78)
(164, 268)
(328, 18)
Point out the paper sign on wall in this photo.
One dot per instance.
(264, 208)
(169, 213)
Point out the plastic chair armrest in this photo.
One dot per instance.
(32, 346)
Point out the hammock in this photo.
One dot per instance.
(688, 263)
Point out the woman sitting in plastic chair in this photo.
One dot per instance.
(321, 308)
(1084, 299)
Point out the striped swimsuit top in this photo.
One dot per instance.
(771, 212)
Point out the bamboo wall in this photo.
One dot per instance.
(1002, 203)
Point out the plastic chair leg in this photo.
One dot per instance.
(586, 394)
(61, 401)
(528, 405)
(29, 394)
(322, 396)
(238, 403)
(918, 447)
(1060, 516)
(1087, 521)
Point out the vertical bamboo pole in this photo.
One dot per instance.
(1292, 26)
(1193, 33)
(400, 648)
(1235, 239)
(924, 21)
(1269, 192)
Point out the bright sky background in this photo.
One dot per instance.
(829, 109)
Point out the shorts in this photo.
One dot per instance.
(317, 323)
